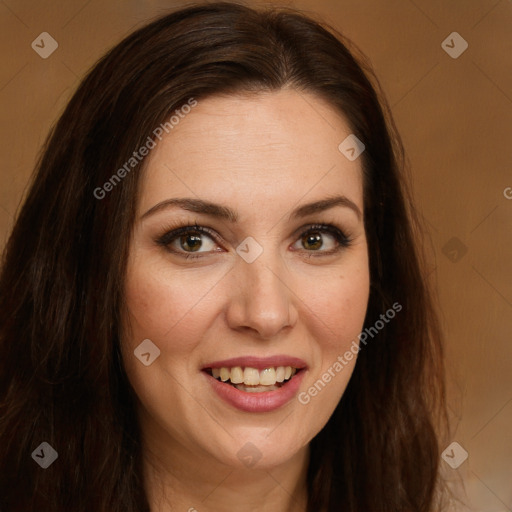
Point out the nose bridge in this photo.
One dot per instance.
(262, 299)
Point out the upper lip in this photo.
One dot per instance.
(258, 362)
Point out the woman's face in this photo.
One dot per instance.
(263, 289)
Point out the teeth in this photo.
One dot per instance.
(224, 374)
(251, 377)
(268, 377)
(248, 376)
(237, 375)
(255, 389)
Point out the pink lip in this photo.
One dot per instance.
(265, 401)
(258, 362)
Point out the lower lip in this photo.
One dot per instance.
(265, 401)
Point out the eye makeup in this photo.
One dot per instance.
(184, 233)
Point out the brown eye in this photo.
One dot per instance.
(312, 240)
(190, 241)
(322, 239)
(187, 240)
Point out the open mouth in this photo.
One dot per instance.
(252, 380)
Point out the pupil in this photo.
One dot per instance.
(196, 241)
(314, 240)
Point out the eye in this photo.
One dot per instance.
(322, 238)
(187, 240)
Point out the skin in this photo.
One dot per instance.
(262, 155)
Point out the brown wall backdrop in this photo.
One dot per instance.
(454, 111)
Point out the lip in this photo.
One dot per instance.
(259, 363)
(266, 401)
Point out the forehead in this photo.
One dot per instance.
(254, 150)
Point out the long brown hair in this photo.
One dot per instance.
(61, 286)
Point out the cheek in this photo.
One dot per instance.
(337, 313)
(173, 311)
(338, 307)
(164, 306)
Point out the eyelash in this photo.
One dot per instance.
(169, 236)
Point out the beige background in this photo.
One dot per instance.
(455, 116)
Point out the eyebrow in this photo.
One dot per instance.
(224, 212)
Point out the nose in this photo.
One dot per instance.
(261, 299)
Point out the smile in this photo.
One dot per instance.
(252, 380)
(253, 384)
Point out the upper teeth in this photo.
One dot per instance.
(253, 377)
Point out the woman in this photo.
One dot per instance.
(212, 297)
